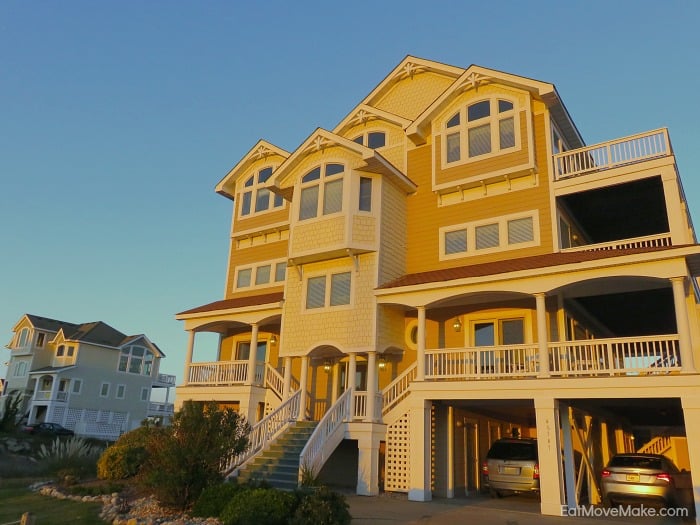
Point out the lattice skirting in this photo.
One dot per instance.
(398, 456)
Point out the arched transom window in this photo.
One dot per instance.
(322, 191)
(255, 197)
(481, 128)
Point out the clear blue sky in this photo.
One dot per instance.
(117, 119)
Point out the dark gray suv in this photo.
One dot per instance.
(511, 466)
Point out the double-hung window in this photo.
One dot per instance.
(481, 128)
(501, 233)
(255, 197)
(322, 191)
(328, 290)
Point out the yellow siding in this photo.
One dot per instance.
(318, 234)
(363, 230)
(260, 220)
(410, 96)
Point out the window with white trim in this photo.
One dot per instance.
(23, 338)
(321, 191)
(145, 394)
(269, 273)
(481, 128)
(365, 196)
(255, 197)
(60, 351)
(328, 290)
(40, 339)
(502, 233)
(372, 139)
(20, 369)
(136, 359)
(121, 392)
(77, 386)
(104, 390)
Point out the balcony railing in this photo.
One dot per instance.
(650, 241)
(612, 154)
(45, 395)
(359, 405)
(218, 373)
(160, 409)
(165, 380)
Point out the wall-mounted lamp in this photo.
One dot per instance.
(457, 325)
(327, 365)
(382, 363)
(273, 339)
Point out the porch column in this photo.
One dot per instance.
(303, 380)
(420, 445)
(335, 381)
(252, 354)
(188, 357)
(569, 459)
(542, 351)
(450, 492)
(371, 385)
(420, 358)
(605, 449)
(691, 415)
(620, 445)
(287, 383)
(352, 372)
(681, 307)
(549, 447)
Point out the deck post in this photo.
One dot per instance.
(542, 350)
(681, 308)
(420, 358)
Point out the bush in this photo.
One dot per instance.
(124, 459)
(186, 457)
(259, 507)
(213, 500)
(71, 459)
(321, 507)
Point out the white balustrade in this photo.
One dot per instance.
(218, 373)
(395, 391)
(650, 241)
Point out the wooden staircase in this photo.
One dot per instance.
(278, 465)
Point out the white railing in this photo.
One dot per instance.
(218, 373)
(166, 379)
(160, 409)
(274, 380)
(482, 361)
(395, 391)
(649, 241)
(658, 445)
(266, 430)
(45, 395)
(607, 155)
(615, 356)
(327, 435)
(359, 405)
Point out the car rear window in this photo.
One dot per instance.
(636, 461)
(513, 450)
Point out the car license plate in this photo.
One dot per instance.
(511, 470)
(633, 477)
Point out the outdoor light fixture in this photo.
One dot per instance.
(457, 325)
(382, 363)
(273, 339)
(327, 365)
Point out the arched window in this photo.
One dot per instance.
(23, 338)
(372, 139)
(481, 128)
(322, 191)
(255, 197)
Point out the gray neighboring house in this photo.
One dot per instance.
(89, 377)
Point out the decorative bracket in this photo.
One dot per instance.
(355, 259)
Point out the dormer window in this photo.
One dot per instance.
(372, 139)
(482, 128)
(23, 338)
(136, 359)
(322, 191)
(255, 197)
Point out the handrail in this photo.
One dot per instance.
(611, 154)
(266, 430)
(218, 372)
(274, 380)
(320, 445)
(398, 388)
(649, 241)
(656, 446)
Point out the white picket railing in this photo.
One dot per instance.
(274, 380)
(658, 445)
(650, 241)
(395, 391)
(482, 361)
(327, 435)
(655, 354)
(218, 373)
(611, 154)
(265, 431)
(160, 409)
(359, 405)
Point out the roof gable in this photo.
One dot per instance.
(261, 150)
(144, 341)
(364, 114)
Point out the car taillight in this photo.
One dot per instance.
(536, 472)
(606, 473)
(664, 477)
(485, 468)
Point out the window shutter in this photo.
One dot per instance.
(486, 236)
(340, 289)
(520, 230)
(316, 292)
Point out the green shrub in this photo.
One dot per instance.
(259, 507)
(96, 490)
(213, 500)
(124, 459)
(71, 459)
(321, 507)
